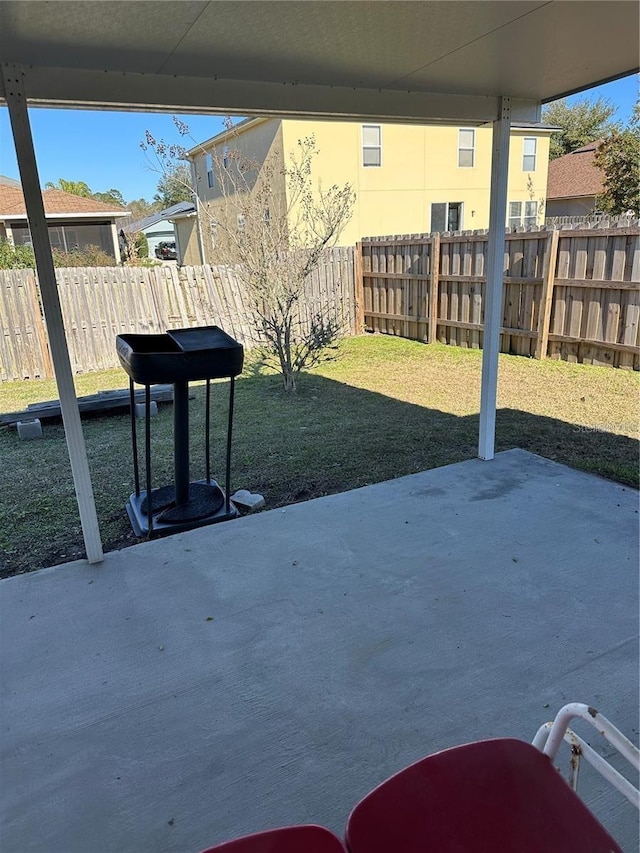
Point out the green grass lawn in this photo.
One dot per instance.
(382, 408)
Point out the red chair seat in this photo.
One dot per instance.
(290, 839)
(497, 796)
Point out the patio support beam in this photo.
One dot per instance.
(494, 280)
(169, 93)
(13, 79)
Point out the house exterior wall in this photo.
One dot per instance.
(261, 141)
(419, 168)
(186, 233)
(579, 206)
(256, 143)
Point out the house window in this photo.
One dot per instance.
(522, 213)
(371, 145)
(529, 150)
(446, 216)
(209, 162)
(225, 156)
(466, 147)
(241, 223)
(267, 217)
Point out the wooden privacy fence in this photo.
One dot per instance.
(100, 303)
(570, 294)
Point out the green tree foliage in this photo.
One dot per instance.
(80, 188)
(90, 256)
(111, 196)
(73, 187)
(619, 159)
(22, 257)
(174, 186)
(16, 257)
(581, 122)
(142, 245)
(141, 208)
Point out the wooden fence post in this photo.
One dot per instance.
(434, 284)
(359, 290)
(546, 297)
(39, 327)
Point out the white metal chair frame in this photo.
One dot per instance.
(549, 737)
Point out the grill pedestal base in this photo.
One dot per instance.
(206, 505)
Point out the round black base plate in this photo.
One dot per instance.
(203, 501)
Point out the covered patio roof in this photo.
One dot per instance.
(412, 61)
(457, 62)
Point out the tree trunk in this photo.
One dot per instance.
(289, 381)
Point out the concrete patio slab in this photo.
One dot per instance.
(273, 669)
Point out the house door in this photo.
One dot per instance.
(446, 216)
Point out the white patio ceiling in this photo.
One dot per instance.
(383, 59)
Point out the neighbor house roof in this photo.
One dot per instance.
(56, 203)
(167, 213)
(5, 181)
(575, 174)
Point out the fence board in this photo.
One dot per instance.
(22, 352)
(582, 305)
(434, 287)
(445, 289)
(100, 303)
(579, 302)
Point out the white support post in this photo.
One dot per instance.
(494, 280)
(116, 243)
(17, 103)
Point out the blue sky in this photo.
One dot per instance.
(103, 148)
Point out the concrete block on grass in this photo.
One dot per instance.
(247, 501)
(28, 430)
(153, 409)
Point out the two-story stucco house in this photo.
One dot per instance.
(407, 178)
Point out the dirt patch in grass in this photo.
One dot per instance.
(382, 408)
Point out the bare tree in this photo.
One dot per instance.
(271, 221)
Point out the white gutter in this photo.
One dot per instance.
(196, 199)
(106, 215)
